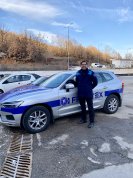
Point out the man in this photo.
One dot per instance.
(86, 81)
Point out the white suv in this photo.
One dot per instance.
(34, 106)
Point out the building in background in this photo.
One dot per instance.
(122, 63)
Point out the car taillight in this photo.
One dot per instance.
(122, 86)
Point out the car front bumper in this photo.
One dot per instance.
(5, 119)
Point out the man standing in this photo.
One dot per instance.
(86, 81)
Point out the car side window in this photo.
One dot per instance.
(107, 77)
(25, 77)
(99, 78)
(12, 79)
(71, 80)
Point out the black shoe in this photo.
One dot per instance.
(82, 121)
(91, 125)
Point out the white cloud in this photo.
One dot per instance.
(120, 14)
(60, 24)
(73, 5)
(125, 14)
(34, 10)
(72, 25)
(44, 35)
(78, 5)
(79, 31)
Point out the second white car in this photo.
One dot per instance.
(11, 81)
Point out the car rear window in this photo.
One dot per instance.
(25, 77)
(106, 77)
(36, 76)
(99, 78)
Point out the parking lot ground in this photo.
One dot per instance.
(69, 150)
(4, 143)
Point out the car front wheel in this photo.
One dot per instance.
(36, 119)
(111, 104)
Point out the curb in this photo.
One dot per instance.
(125, 74)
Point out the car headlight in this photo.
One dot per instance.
(13, 104)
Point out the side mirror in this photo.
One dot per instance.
(69, 86)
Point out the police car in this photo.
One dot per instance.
(34, 106)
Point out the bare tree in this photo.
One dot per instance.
(129, 56)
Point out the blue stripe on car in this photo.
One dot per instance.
(18, 110)
(107, 93)
(54, 103)
(21, 109)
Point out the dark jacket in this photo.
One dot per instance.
(86, 81)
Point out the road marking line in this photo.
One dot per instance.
(39, 139)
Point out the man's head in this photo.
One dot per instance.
(84, 65)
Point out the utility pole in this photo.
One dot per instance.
(68, 54)
(68, 46)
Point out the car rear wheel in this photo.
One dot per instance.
(111, 104)
(36, 119)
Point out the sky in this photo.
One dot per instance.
(100, 23)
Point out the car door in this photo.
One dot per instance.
(11, 82)
(26, 79)
(109, 83)
(105, 85)
(99, 92)
(68, 100)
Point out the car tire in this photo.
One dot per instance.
(36, 119)
(111, 104)
(1, 91)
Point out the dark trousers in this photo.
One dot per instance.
(82, 101)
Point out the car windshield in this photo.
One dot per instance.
(55, 81)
